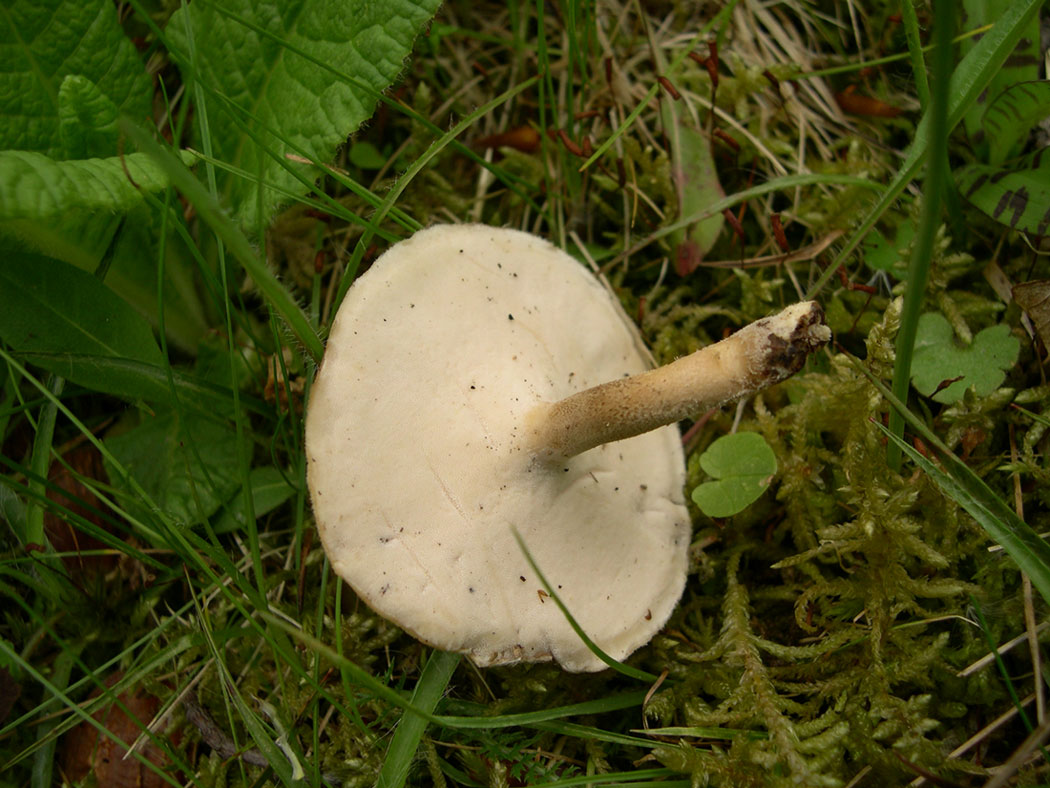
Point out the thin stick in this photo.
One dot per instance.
(1033, 741)
(990, 657)
(1029, 603)
(980, 736)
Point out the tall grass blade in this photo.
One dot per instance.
(934, 188)
(971, 75)
(428, 692)
(969, 490)
(276, 294)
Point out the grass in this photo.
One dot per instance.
(827, 631)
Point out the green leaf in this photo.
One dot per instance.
(269, 487)
(1022, 65)
(188, 466)
(66, 320)
(1012, 116)
(696, 183)
(41, 43)
(1017, 195)
(87, 119)
(366, 156)
(134, 270)
(279, 297)
(883, 253)
(71, 209)
(37, 188)
(429, 690)
(303, 74)
(938, 359)
(742, 464)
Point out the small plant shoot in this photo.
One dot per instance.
(943, 369)
(742, 465)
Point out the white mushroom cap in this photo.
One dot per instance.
(418, 474)
(443, 419)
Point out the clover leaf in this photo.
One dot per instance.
(742, 465)
(938, 359)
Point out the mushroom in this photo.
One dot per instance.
(480, 382)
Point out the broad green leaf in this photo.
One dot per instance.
(742, 466)
(87, 119)
(1017, 195)
(366, 156)
(188, 466)
(938, 359)
(69, 73)
(66, 320)
(41, 43)
(429, 690)
(37, 188)
(1022, 65)
(885, 252)
(696, 183)
(270, 488)
(71, 209)
(208, 209)
(1012, 116)
(302, 74)
(134, 270)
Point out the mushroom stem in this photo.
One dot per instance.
(758, 355)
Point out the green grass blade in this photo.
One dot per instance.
(365, 680)
(969, 490)
(44, 756)
(406, 178)
(930, 220)
(918, 64)
(40, 464)
(44, 759)
(783, 183)
(276, 294)
(971, 75)
(616, 665)
(715, 21)
(963, 486)
(402, 749)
